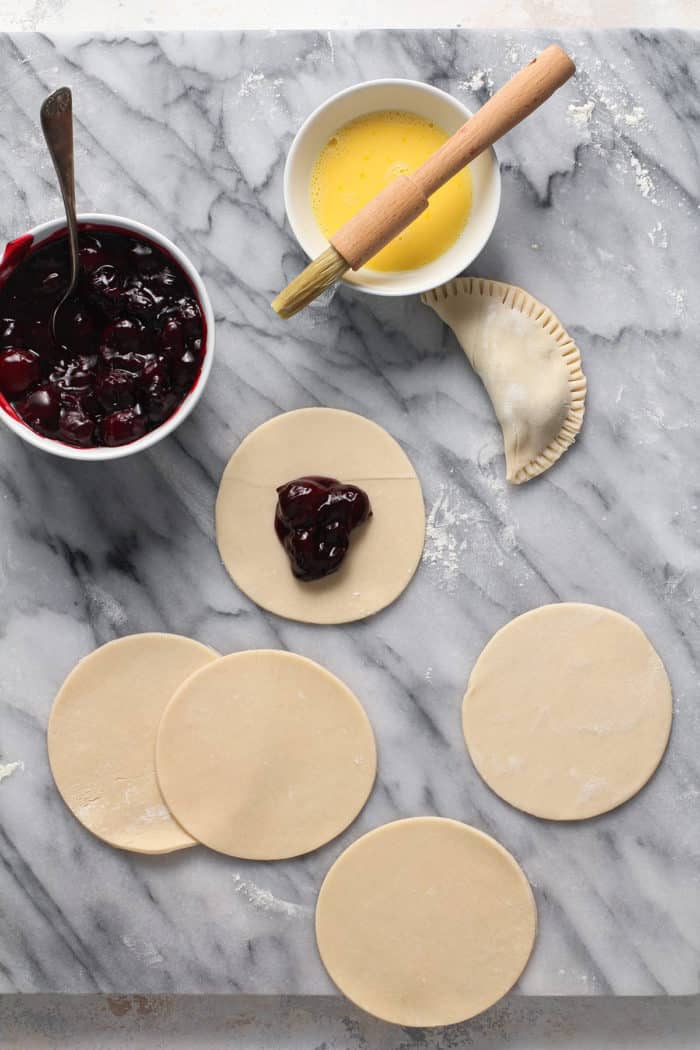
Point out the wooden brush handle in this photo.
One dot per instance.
(403, 200)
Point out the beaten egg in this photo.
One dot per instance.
(361, 159)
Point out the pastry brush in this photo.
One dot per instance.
(404, 199)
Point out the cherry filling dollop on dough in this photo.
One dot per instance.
(314, 519)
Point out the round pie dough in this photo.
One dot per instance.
(384, 552)
(425, 922)
(102, 734)
(568, 711)
(265, 755)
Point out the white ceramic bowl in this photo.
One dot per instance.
(92, 455)
(415, 97)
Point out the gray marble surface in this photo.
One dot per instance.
(244, 1022)
(600, 220)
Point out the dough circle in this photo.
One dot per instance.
(425, 922)
(265, 755)
(102, 734)
(384, 553)
(568, 711)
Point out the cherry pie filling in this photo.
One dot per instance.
(129, 344)
(313, 521)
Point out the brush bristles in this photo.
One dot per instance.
(318, 275)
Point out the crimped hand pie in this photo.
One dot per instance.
(530, 366)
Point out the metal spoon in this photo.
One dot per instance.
(57, 125)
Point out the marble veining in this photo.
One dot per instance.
(600, 220)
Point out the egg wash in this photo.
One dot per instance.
(367, 154)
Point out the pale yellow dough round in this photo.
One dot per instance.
(568, 711)
(384, 552)
(102, 734)
(425, 922)
(265, 755)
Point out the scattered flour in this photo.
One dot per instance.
(249, 83)
(480, 78)
(644, 181)
(147, 952)
(580, 115)
(677, 298)
(456, 525)
(9, 768)
(591, 788)
(263, 900)
(446, 535)
(152, 814)
(617, 112)
(86, 809)
(105, 604)
(658, 236)
(635, 117)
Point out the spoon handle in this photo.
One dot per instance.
(57, 125)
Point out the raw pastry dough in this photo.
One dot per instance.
(384, 553)
(425, 921)
(265, 755)
(102, 734)
(568, 711)
(530, 366)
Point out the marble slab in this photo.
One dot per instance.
(188, 132)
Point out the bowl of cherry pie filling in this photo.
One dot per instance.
(132, 348)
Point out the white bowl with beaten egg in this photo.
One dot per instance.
(421, 100)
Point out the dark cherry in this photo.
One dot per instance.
(75, 327)
(11, 332)
(184, 368)
(171, 338)
(52, 284)
(105, 287)
(128, 362)
(40, 339)
(76, 428)
(19, 369)
(159, 397)
(140, 301)
(91, 253)
(123, 427)
(161, 404)
(82, 401)
(126, 333)
(155, 374)
(86, 362)
(162, 281)
(128, 347)
(76, 377)
(41, 409)
(116, 390)
(313, 521)
(187, 312)
(142, 257)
